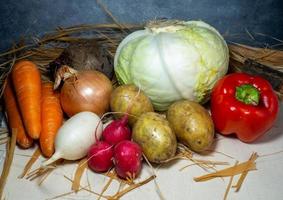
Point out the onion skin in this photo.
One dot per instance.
(87, 90)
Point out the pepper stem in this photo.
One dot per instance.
(247, 94)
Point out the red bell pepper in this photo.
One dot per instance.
(245, 105)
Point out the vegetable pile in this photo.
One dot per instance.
(166, 73)
(116, 148)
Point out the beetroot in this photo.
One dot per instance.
(127, 159)
(100, 156)
(117, 131)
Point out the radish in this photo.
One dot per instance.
(100, 156)
(117, 131)
(127, 159)
(75, 137)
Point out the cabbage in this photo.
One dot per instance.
(173, 60)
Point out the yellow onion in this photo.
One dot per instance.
(86, 90)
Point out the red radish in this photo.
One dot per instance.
(117, 131)
(100, 156)
(127, 159)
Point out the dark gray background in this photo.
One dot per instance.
(233, 18)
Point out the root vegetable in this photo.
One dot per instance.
(128, 159)
(155, 136)
(86, 90)
(75, 137)
(192, 124)
(100, 157)
(27, 84)
(51, 117)
(14, 116)
(129, 99)
(117, 131)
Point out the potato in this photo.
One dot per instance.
(128, 98)
(155, 136)
(192, 124)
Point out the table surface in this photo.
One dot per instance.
(261, 184)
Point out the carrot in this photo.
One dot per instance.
(14, 117)
(51, 118)
(27, 85)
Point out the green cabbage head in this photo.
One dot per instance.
(173, 60)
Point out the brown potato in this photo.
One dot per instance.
(155, 136)
(128, 98)
(192, 124)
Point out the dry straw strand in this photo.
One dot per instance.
(32, 160)
(253, 157)
(82, 165)
(229, 184)
(237, 169)
(8, 161)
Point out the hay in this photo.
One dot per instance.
(239, 53)
(47, 48)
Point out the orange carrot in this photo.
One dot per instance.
(27, 84)
(14, 117)
(51, 118)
